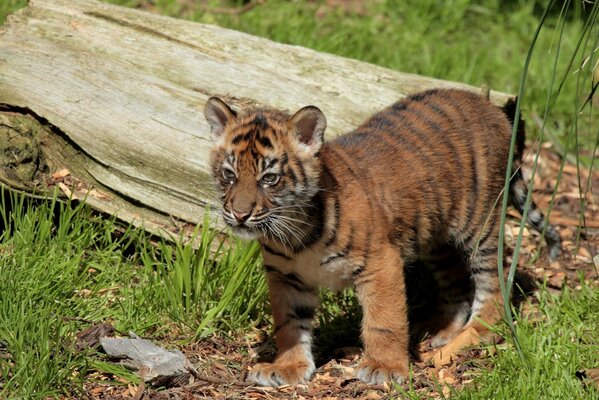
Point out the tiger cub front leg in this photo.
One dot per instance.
(381, 291)
(293, 304)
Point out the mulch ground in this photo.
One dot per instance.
(221, 364)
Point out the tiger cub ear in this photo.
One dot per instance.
(218, 114)
(309, 124)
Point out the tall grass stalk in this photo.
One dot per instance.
(505, 289)
(585, 34)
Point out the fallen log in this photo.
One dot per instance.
(106, 103)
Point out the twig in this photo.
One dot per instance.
(216, 381)
(140, 391)
(559, 220)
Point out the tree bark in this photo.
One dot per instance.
(115, 96)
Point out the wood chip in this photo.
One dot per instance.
(66, 190)
(60, 174)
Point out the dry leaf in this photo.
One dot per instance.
(371, 394)
(557, 280)
(583, 254)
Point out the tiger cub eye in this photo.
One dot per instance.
(270, 179)
(229, 175)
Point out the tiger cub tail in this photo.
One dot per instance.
(519, 191)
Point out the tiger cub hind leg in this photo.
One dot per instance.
(487, 305)
(380, 287)
(458, 314)
(448, 294)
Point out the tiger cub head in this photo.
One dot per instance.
(266, 167)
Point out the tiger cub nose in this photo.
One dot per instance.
(241, 217)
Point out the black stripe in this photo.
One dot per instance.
(302, 170)
(379, 121)
(280, 327)
(356, 138)
(490, 230)
(243, 136)
(333, 258)
(413, 144)
(284, 160)
(260, 121)
(417, 133)
(363, 280)
(404, 142)
(399, 106)
(483, 269)
(317, 222)
(344, 252)
(436, 128)
(289, 279)
(487, 251)
(270, 269)
(383, 331)
(357, 271)
(268, 162)
(422, 95)
(264, 141)
(302, 312)
(357, 177)
(275, 253)
(292, 176)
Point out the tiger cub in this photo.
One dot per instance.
(420, 175)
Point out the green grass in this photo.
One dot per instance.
(63, 267)
(9, 6)
(563, 342)
(213, 282)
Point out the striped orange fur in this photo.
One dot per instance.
(422, 175)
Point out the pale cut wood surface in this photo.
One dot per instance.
(123, 92)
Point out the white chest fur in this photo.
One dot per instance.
(316, 266)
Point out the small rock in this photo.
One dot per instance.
(152, 362)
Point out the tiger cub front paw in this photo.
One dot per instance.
(375, 373)
(278, 374)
